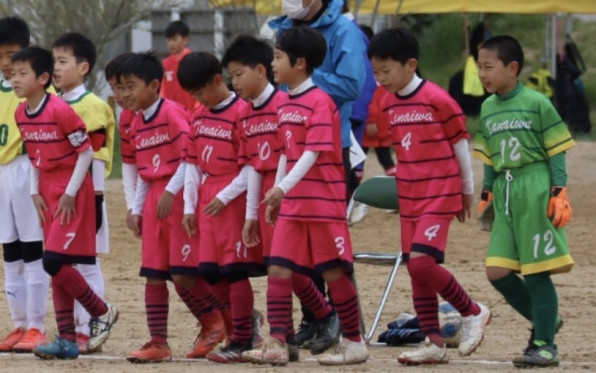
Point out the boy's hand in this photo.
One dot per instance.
(485, 210)
(41, 207)
(467, 200)
(273, 197)
(371, 129)
(137, 225)
(214, 207)
(129, 220)
(559, 209)
(164, 205)
(66, 209)
(190, 225)
(271, 213)
(250, 233)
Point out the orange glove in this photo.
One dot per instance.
(559, 209)
(486, 213)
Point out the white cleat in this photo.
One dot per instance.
(472, 330)
(426, 353)
(101, 326)
(345, 353)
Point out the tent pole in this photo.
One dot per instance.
(375, 13)
(553, 46)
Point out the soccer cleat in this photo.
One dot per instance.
(59, 348)
(212, 333)
(359, 211)
(229, 354)
(307, 331)
(101, 326)
(345, 353)
(472, 330)
(32, 338)
(83, 344)
(538, 355)
(258, 320)
(151, 352)
(272, 352)
(426, 353)
(328, 333)
(11, 339)
(293, 350)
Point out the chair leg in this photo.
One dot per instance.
(388, 287)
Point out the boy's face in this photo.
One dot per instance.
(282, 69)
(247, 80)
(494, 74)
(117, 91)
(137, 94)
(392, 74)
(68, 74)
(177, 43)
(208, 94)
(24, 82)
(6, 53)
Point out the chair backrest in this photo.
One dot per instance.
(379, 192)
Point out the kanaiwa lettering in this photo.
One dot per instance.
(264, 127)
(294, 117)
(218, 132)
(40, 135)
(156, 139)
(509, 124)
(410, 117)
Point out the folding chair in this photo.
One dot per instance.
(380, 192)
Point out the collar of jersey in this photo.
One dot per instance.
(78, 99)
(3, 88)
(511, 93)
(225, 107)
(45, 101)
(154, 115)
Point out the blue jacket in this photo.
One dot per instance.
(360, 106)
(341, 75)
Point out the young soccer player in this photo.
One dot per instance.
(177, 36)
(213, 155)
(25, 282)
(377, 134)
(435, 184)
(74, 58)
(249, 62)
(311, 234)
(522, 142)
(62, 191)
(159, 135)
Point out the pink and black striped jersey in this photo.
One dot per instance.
(424, 127)
(261, 145)
(126, 148)
(160, 141)
(215, 140)
(310, 121)
(54, 135)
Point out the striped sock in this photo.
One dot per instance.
(343, 296)
(242, 303)
(157, 307)
(75, 284)
(196, 306)
(426, 306)
(221, 292)
(310, 296)
(279, 306)
(63, 304)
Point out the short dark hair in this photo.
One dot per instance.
(303, 42)
(13, 30)
(145, 66)
(508, 49)
(397, 44)
(367, 30)
(248, 50)
(177, 28)
(197, 69)
(40, 59)
(114, 67)
(81, 46)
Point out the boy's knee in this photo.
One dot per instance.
(497, 273)
(333, 274)
(51, 266)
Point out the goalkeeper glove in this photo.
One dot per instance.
(559, 209)
(486, 213)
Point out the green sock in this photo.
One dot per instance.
(545, 306)
(515, 291)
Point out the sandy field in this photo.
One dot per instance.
(505, 338)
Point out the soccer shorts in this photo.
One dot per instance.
(75, 242)
(266, 229)
(166, 248)
(221, 248)
(17, 212)
(310, 247)
(523, 238)
(426, 235)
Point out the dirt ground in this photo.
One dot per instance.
(505, 337)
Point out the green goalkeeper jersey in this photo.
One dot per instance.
(519, 128)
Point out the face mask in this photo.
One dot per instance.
(293, 8)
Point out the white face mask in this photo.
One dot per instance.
(293, 8)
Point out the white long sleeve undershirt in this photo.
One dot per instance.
(98, 174)
(253, 192)
(33, 180)
(129, 181)
(140, 195)
(235, 188)
(304, 163)
(177, 180)
(80, 170)
(192, 178)
(462, 153)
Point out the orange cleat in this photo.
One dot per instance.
(151, 352)
(32, 338)
(212, 333)
(11, 339)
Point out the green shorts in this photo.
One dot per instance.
(523, 238)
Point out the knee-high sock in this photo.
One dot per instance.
(545, 306)
(426, 306)
(516, 293)
(310, 296)
(197, 306)
(63, 305)
(72, 282)
(344, 298)
(15, 288)
(221, 291)
(94, 277)
(157, 307)
(38, 283)
(279, 306)
(242, 303)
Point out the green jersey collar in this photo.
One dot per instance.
(519, 86)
